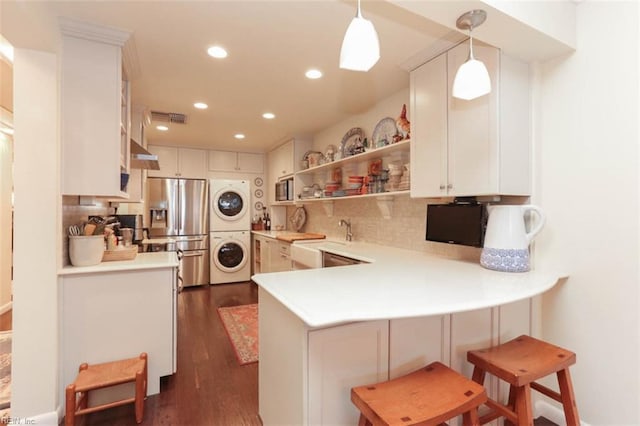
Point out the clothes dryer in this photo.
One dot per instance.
(230, 256)
(230, 205)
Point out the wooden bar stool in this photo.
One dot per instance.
(98, 376)
(520, 362)
(427, 397)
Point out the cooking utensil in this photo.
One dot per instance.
(74, 230)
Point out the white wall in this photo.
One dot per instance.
(37, 236)
(6, 225)
(588, 185)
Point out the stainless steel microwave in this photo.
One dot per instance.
(284, 190)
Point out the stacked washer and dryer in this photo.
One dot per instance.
(230, 230)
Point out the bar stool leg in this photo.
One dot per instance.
(70, 410)
(471, 418)
(363, 421)
(523, 405)
(568, 398)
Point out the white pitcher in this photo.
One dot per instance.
(506, 242)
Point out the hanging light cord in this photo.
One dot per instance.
(471, 42)
(358, 13)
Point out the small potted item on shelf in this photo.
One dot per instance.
(404, 126)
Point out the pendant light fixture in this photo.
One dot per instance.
(360, 47)
(472, 79)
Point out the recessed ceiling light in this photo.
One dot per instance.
(201, 105)
(162, 128)
(238, 136)
(313, 74)
(217, 52)
(269, 115)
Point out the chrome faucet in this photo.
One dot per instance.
(346, 223)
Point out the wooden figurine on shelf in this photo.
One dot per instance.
(404, 126)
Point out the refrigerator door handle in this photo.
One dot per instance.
(197, 253)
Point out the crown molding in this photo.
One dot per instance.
(93, 32)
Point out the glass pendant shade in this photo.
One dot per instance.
(472, 80)
(360, 47)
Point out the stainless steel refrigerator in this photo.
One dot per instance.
(179, 210)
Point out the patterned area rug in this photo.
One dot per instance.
(241, 323)
(5, 369)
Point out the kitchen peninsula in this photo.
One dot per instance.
(324, 331)
(116, 310)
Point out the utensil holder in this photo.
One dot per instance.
(86, 250)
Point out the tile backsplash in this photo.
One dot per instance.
(73, 213)
(405, 229)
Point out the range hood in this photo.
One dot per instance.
(142, 159)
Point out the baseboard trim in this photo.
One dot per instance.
(45, 419)
(6, 307)
(555, 414)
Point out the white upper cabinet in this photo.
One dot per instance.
(470, 148)
(94, 110)
(179, 162)
(281, 161)
(284, 161)
(230, 161)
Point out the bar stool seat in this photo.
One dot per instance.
(98, 376)
(426, 397)
(520, 362)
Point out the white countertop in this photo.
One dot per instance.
(396, 284)
(155, 260)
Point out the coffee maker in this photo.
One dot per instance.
(133, 221)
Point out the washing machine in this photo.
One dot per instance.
(230, 205)
(230, 256)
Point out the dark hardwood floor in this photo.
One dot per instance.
(210, 387)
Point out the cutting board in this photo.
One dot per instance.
(300, 236)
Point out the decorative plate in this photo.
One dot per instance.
(258, 193)
(384, 132)
(258, 206)
(299, 218)
(258, 181)
(352, 138)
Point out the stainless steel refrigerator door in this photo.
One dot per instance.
(194, 207)
(163, 207)
(194, 267)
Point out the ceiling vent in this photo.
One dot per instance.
(168, 117)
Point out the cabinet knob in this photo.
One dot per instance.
(441, 186)
(450, 186)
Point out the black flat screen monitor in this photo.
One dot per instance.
(456, 224)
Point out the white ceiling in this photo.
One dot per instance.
(271, 44)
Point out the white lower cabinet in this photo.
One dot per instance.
(306, 374)
(104, 320)
(340, 358)
(270, 255)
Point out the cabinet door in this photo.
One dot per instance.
(428, 103)
(416, 342)
(266, 249)
(339, 359)
(168, 160)
(90, 97)
(223, 161)
(250, 162)
(280, 257)
(473, 129)
(282, 160)
(192, 163)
